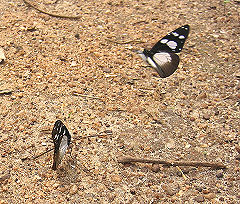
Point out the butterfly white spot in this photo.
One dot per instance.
(172, 44)
(164, 41)
(181, 37)
(151, 62)
(175, 34)
(162, 58)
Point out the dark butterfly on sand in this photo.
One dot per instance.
(162, 56)
(61, 138)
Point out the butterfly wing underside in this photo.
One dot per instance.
(61, 138)
(166, 63)
(172, 42)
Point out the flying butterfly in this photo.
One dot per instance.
(61, 139)
(162, 56)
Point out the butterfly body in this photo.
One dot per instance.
(61, 138)
(162, 56)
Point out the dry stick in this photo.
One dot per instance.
(101, 135)
(50, 14)
(172, 163)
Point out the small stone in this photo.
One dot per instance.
(21, 128)
(202, 96)
(206, 116)
(199, 199)
(3, 202)
(2, 56)
(170, 189)
(116, 178)
(106, 70)
(62, 189)
(73, 64)
(72, 84)
(77, 36)
(170, 144)
(192, 119)
(210, 196)
(205, 191)
(155, 168)
(73, 190)
(219, 175)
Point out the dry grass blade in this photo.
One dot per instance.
(50, 14)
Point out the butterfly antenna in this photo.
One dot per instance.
(27, 158)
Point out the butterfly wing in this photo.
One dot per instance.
(166, 63)
(61, 138)
(173, 42)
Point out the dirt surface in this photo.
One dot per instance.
(67, 69)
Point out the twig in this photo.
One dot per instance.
(126, 42)
(50, 14)
(83, 95)
(172, 163)
(100, 135)
(180, 170)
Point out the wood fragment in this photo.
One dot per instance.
(172, 163)
(48, 13)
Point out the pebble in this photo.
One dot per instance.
(73, 190)
(199, 199)
(202, 96)
(219, 175)
(155, 168)
(206, 116)
(170, 189)
(116, 178)
(210, 196)
(106, 70)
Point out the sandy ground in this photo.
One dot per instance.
(67, 69)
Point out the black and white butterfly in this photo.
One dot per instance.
(61, 139)
(162, 56)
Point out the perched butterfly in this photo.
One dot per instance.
(61, 138)
(162, 56)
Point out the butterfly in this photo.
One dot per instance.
(162, 56)
(61, 139)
